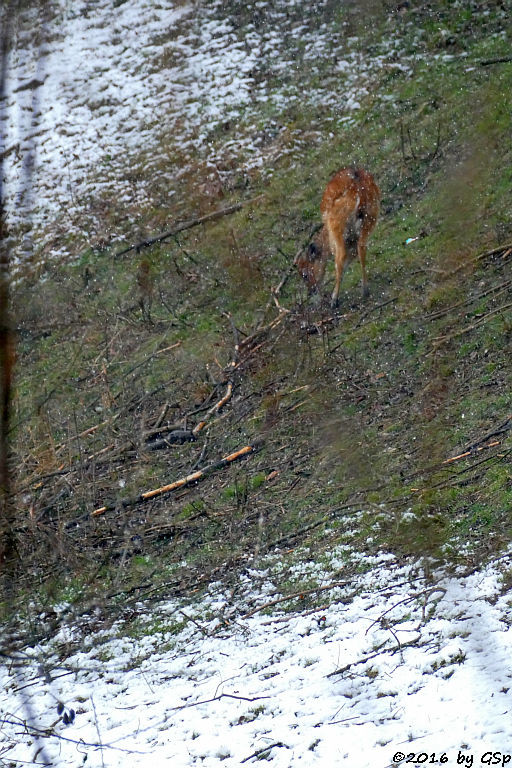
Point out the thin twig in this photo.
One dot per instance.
(197, 624)
(218, 698)
(286, 275)
(374, 309)
(265, 749)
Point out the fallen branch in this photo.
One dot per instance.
(287, 273)
(426, 593)
(505, 251)
(254, 337)
(236, 338)
(218, 698)
(214, 409)
(90, 430)
(187, 225)
(84, 433)
(381, 651)
(155, 439)
(176, 436)
(188, 480)
(50, 733)
(501, 429)
(261, 331)
(197, 624)
(229, 391)
(496, 289)
(440, 340)
(456, 478)
(468, 450)
(502, 60)
(300, 595)
(472, 451)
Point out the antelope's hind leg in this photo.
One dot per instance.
(340, 259)
(368, 225)
(361, 250)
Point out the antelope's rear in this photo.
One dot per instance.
(350, 208)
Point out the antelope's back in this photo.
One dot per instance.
(351, 188)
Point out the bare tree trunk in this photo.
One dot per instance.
(7, 543)
(8, 552)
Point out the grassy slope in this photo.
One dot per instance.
(356, 419)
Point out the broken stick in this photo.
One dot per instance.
(472, 451)
(214, 409)
(193, 478)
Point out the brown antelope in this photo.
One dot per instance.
(350, 207)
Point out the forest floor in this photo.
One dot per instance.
(193, 436)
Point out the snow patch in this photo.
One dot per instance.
(394, 663)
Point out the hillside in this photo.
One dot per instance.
(154, 290)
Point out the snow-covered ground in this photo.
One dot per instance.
(109, 103)
(393, 664)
